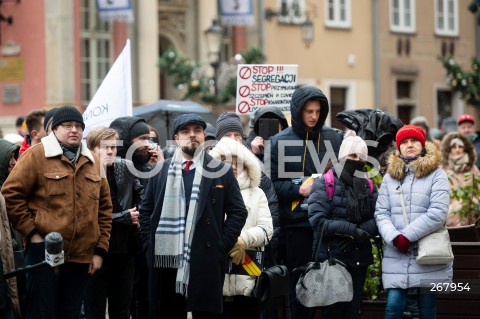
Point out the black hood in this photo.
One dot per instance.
(299, 98)
(268, 112)
(6, 150)
(123, 126)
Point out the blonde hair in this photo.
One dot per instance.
(98, 134)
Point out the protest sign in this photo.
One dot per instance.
(262, 85)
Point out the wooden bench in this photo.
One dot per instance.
(466, 269)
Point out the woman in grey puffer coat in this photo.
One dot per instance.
(415, 168)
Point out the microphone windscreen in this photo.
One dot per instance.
(54, 243)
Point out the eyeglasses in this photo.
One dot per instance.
(69, 126)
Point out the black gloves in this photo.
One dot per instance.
(360, 235)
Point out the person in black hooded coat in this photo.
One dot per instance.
(132, 129)
(254, 141)
(346, 221)
(314, 144)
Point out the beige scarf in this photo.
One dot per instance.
(458, 163)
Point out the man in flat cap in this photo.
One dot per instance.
(191, 216)
(57, 187)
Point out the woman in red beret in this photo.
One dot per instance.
(414, 174)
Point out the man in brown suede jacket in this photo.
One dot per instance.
(57, 187)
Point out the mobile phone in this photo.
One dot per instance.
(153, 145)
(268, 127)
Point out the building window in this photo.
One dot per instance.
(405, 100)
(291, 11)
(338, 103)
(444, 107)
(338, 13)
(446, 17)
(402, 16)
(96, 50)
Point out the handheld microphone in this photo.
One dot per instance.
(54, 255)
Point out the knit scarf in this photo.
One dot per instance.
(458, 163)
(408, 159)
(356, 190)
(174, 233)
(71, 152)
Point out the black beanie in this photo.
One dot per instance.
(49, 118)
(228, 122)
(67, 114)
(139, 128)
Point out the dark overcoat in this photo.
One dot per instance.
(221, 217)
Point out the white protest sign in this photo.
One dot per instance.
(262, 85)
(113, 98)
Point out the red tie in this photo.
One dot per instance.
(187, 166)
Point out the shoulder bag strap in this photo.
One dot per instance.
(268, 247)
(316, 251)
(402, 201)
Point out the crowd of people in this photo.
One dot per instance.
(153, 234)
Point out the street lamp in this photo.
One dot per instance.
(307, 32)
(214, 36)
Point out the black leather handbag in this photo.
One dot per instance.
(273, 284)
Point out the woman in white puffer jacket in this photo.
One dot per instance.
(237, 289)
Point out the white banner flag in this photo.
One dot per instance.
(113, 98)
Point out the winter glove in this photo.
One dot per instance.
(346, 244)
(238, 252)
(401, 243)
(360, 235)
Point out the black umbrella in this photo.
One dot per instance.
(161, 114)
(372, 125)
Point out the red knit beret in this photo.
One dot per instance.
(410, 131)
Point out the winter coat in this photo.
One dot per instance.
(476, 143)
(332, 215)
(7, 259)
(459, 178)
(127, 192)
(6, 150)
(214, 235)
(267, 187)
(304, 158)
(259, 217)
(45, 193)
(426, 192)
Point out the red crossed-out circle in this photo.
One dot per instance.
(243, 107)
(245, 72)
(244, 91)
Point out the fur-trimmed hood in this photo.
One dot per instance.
(227, 148)
(421, 167)
(468, 148)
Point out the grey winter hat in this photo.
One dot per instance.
(210, 132)
(67, 114)
(228, 122)
(185, 119)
